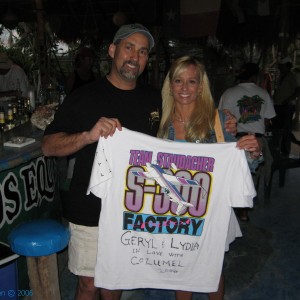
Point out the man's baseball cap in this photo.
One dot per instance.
(126, 30)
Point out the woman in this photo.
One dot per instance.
(188, 114)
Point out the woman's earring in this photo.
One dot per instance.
(200, 92)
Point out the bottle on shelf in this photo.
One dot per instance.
(41, 98)
(62, 94)
(16, 119)
(28, 107)
(20, 111)
(31, 96)
(10, 118)
(51, 94)
(2, 119)
(26, 112)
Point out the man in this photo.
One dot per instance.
(83, 69)
(12, 78)
(251, 105)
(95, 111)
(285, 102)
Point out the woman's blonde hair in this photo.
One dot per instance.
(203, 117)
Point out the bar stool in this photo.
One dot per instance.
(40, 240)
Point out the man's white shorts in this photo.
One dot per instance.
(83, 250)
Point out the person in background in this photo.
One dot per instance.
(285, 98)
(266, 81)
(83, 72)
(13, 79)
(96, 111)
(251, 105)
(188, 115)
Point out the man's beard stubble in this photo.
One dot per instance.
(128, 73)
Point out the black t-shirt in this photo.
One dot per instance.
(79, 82)
(79, 112)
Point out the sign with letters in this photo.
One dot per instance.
(27, 192)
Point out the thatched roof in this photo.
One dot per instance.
(71, 19)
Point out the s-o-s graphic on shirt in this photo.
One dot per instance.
(144, 241)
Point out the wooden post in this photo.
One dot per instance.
(43, 277)
(42, 48)
(284, 27)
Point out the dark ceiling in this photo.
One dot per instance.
(71, 19)
(98, 19)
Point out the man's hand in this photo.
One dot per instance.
(230, 122)
(251, 144)
(105, 127)
(63, 144)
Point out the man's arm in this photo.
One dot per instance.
(63, 144)
(292, 99)
(230, 122)
(227, 108)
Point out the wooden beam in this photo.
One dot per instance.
(42, 46)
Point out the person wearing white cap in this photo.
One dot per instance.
(285, 97)
(12, 77)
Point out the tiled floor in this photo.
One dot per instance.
(263, 265)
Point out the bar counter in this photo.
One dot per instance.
(29, 186)
(11, 157)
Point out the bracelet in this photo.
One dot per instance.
(252, 154)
